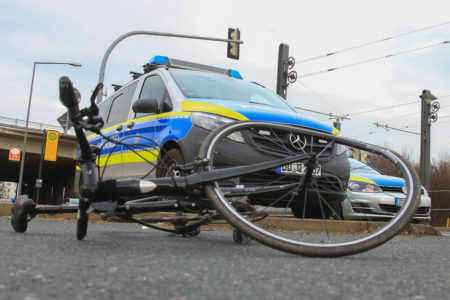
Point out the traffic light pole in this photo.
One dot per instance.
(282, 71)
(425, 144)
(428, 116)
(337, 124)
(101, 75)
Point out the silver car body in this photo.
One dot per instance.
(379, 205)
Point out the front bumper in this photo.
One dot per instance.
(359, 206)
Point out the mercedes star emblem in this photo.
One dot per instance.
(297, 141)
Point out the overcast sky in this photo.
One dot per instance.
(81, 31)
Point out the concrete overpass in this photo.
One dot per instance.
(58, 176)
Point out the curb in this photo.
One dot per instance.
(289, 224)
(5, 209)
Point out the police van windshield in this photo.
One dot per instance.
(211, 86)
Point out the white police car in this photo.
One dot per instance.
(372, 195)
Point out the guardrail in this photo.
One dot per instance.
(20, 124)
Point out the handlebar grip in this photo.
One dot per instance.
(69, 97)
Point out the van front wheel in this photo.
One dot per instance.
(171, 158)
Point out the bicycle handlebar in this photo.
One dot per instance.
(69, 97)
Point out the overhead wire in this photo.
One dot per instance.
(317, 95)
(410, 114)
(410, 126)
(393, 106)
(418, 125)
(402, 116)
(383, 108)
(372, 43)
(371, 60)
(445, 106)
(442, 122)
(366, 133)
(387, 127)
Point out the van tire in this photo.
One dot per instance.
(170, 158)
(312, 212)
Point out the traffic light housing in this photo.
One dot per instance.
(282, 72)
(233, 48)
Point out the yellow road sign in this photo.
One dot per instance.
(51, 145)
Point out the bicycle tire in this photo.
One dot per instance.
(242, 139)
(82, 219)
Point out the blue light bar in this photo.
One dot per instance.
(161, 60)
(235, 74)
(181, 64)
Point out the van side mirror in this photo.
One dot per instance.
(145, 106)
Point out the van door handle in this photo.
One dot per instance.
(119, 128)
(130, 125)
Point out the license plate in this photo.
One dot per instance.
(299, 169)
(399, 201)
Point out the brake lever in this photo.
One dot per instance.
(93, 109)
(94, 122)
(95, 93)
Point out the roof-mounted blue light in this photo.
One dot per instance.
(161, 60)
(235, 74)
(181, 64)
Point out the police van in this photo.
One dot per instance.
(175, 105)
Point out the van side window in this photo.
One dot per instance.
(103, 108)
(154, 88)
(167, 104)
(120, 106)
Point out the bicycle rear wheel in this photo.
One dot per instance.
(297, 208)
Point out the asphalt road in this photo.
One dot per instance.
(120, 261)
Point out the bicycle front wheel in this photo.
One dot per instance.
(300, 207)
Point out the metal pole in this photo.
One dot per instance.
(66, 128)
(25, 136)
(101, 75)
(41, 160)
(282, 70)
(337, 124)
(425, 144)
(24, 147)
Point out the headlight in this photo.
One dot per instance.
(363, 187)
(212, 122)
(341, 149)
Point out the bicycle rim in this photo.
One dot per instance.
(298, 208)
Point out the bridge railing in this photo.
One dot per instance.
(21, 124)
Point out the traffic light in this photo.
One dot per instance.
(282, 72)
(233, 48)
